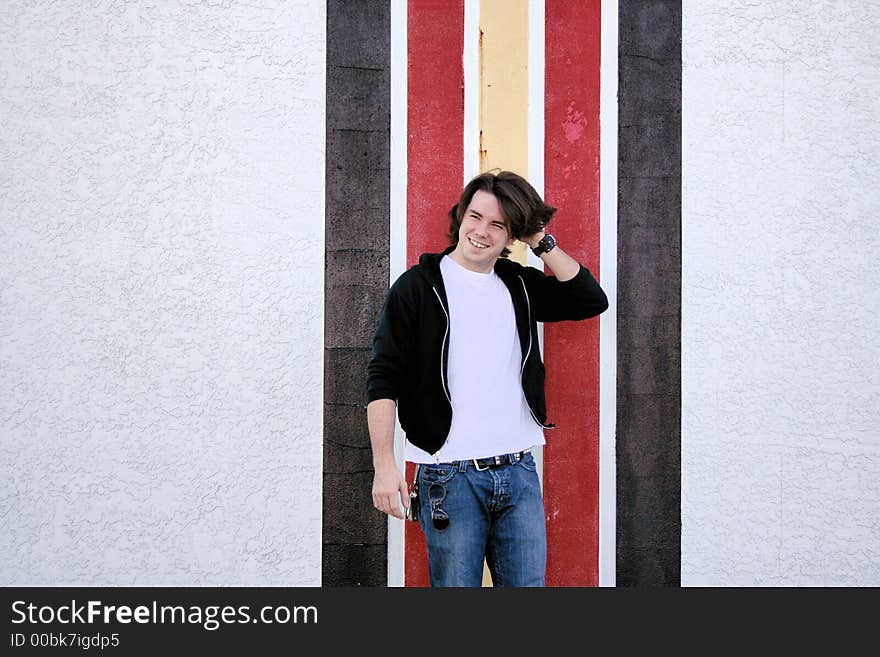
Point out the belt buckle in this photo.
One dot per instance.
(499, 460)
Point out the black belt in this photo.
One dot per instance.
(494, 461)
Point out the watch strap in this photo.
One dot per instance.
(547, 244)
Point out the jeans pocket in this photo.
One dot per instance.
(436, 474)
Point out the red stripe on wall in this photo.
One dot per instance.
(571, 349)
(435, 166)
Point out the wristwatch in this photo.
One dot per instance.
(547, 244)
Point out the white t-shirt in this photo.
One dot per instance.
(490, 415)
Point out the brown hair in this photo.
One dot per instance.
(522, 207)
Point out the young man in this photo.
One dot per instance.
(456, 355)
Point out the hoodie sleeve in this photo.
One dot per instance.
(392, 342)
(553, 301)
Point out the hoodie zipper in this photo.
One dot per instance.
(443, 348)
(442, 351)
(528, 351)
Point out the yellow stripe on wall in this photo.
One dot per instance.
(504, 99)
(504, 82)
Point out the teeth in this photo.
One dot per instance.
(478, 245)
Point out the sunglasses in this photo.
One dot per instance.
(439, 517)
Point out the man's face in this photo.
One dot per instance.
(483, 234)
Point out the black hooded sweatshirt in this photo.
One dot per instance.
(411, 344)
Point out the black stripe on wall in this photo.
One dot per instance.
(649, 294)
(355, 542)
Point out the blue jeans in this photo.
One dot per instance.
(496, 513)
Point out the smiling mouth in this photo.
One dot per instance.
(477, 244)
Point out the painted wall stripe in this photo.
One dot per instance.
(535, 135)
(354, 537)
(504, 99)
(608, 319)
(504, 87)
(536, 145)
(649, 301)
(398, 241)
(471, 64)
(571, 457)
(398, 168)
(435, 116)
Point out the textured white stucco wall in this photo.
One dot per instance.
(780, 312)
(161, 292)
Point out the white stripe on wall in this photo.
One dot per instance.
(471, 66)
(536, 101)
(608, 319)
(535, 122)
(398, 235)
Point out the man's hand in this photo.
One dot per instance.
(390, 491)
(389, 486)
(532, 240)
(563, 265)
